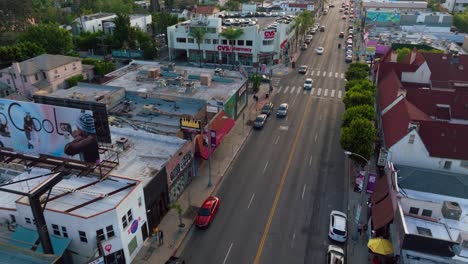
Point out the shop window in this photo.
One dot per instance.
(181, 40)
(447, 165)
(64, 232)
(414, 210)
(249, 43)
(127, 218)
(132, 245)
(427, 213)
(56, 230)
(28, 220)
(215, 41)
(100, 235)
(191, 40)
(83, 237)
(232, 42)
(411, 139)
(424, 231)
(110, 231)
(267, 42)
(224, 41)
(240, 42)
(124, 221)
(207, 41)
(211, 30)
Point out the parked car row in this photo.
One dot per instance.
(251, 14)
(266, 111)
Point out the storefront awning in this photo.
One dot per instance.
(382, 213)
(221, 124)
(381, 190)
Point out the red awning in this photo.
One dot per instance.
(382, 213)
(222, 124)
(381, 190)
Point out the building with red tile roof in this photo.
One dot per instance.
(206, 10)
(423, 105)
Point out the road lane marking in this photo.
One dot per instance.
(298, 90)
(294, 101)
(339, 94)
(276, 142)
(227, 254)
(286, 89)
(320, 117)
(279, 89)
(319, 91)
(336, 75)
(312, 74)
(310, 161)
(292, 89)
(281, 185)
(332, 93)
(318, 73)
(264, 169)
(315, 139)
(330, 74)
(303, 192)
(251, 199)
(342, 76)
(293, 237)
(324, 74)
(312, 91)
(325, 93)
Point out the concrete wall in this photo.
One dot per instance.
(421, 75)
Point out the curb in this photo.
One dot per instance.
(212, 192)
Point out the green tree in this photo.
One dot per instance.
(123, 32)
(256, 80)
(178, 207)
(88, 40)
(101, 67)
(357, 71)
(162, 20)
(112, 6)
(19, 52)
(50, 37)
(198, 33)
(360, 84)
(145, 43)
(355, 97)
(15, 15)
(359, 137)
(460, 20)
(232, 5)
(306, 21)
(73, 81)
(232, 34)
(360, 111)
(402, 53)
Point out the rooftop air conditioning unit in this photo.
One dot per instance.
(122, 143)
(451, 210)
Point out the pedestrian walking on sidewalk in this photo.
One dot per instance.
(161, 237)
(155, 234)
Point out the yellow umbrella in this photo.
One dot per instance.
(380, 246)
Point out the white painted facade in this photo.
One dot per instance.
(455, 6)
(255, 45)
(417, 155)
(421, 75)
(295, 7)
(105, 22)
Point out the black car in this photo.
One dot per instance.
(267, 108)
(175, 260)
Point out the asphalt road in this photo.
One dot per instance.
(277, 197)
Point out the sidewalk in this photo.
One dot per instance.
(197, 191)
(356, 251)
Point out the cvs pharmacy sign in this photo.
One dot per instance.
(227, 48)
(269, 34)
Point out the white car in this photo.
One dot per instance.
(349, 53)
(349, 58)
(335, 255)
(319, 50)
(303, 69)
(308, 84)
(337, 230)
(349, 41)
(282, 110)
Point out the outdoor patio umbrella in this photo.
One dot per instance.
(380, 246)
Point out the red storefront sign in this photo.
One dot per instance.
(269, 34)
(227, 48)
(283, 43)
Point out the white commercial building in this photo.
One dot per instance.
(455, 5)
(265, 40)
(105, 22)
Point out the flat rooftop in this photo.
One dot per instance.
(72, 194)
(147, 153)
(427, 228)
(134, 77)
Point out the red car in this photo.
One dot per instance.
(207, 211)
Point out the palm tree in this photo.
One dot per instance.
(297, 29)
(232, 34)
(306, 19)
(198, 33)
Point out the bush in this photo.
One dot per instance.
(73, 81)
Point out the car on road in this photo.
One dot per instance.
(207, 211)
(265, 78)
(343, 17)
(351, 31)
(304, 46)
(346, 12)
(308, 83)
(322, 29)
(349, 58)
(330, 6)
(267, 108)
(175, 260)
(312, 31)
(335, 255)
(303, 69)
(350, 41)
(341, 35)
(349, 52)
(319, 50)
(260, 121)
(316, 25)
(282, 110)
(308, 39)
(350, 27)
(337, 229)
(340, 10)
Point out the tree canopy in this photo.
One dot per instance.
(364, 84)
(19, 52)
(357, 96)
(357, 71)
(50, 37)
(358, 137)
(101, 67)
(460, 20)
(232, 33)
(162, 20)
(360, 111)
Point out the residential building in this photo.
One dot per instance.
(296, 7)
(87, 217)
(263, 41)
(207, 10)
(105, 22)
(407, 5)
(455, 6)
(44, 72)
(422, 110)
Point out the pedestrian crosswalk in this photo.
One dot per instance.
(319, 92)
(329, 74)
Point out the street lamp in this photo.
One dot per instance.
(209, 157)
(359, 206)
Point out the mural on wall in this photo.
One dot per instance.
(230, 106)
(373, 16)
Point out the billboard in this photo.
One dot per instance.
(34, 129)
(373, 16)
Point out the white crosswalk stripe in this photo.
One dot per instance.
(318, 73)
(312, 73)
(325, 93)
(279, 89)
(336, 75)
(342, 76)
(286, 89)
(312, 91)
(292, 89)
(324, 74)
(319, 91)
(298, 90)
(339, 94)
(330, 74)
(332, 93)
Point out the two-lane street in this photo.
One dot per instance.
(278, 194)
